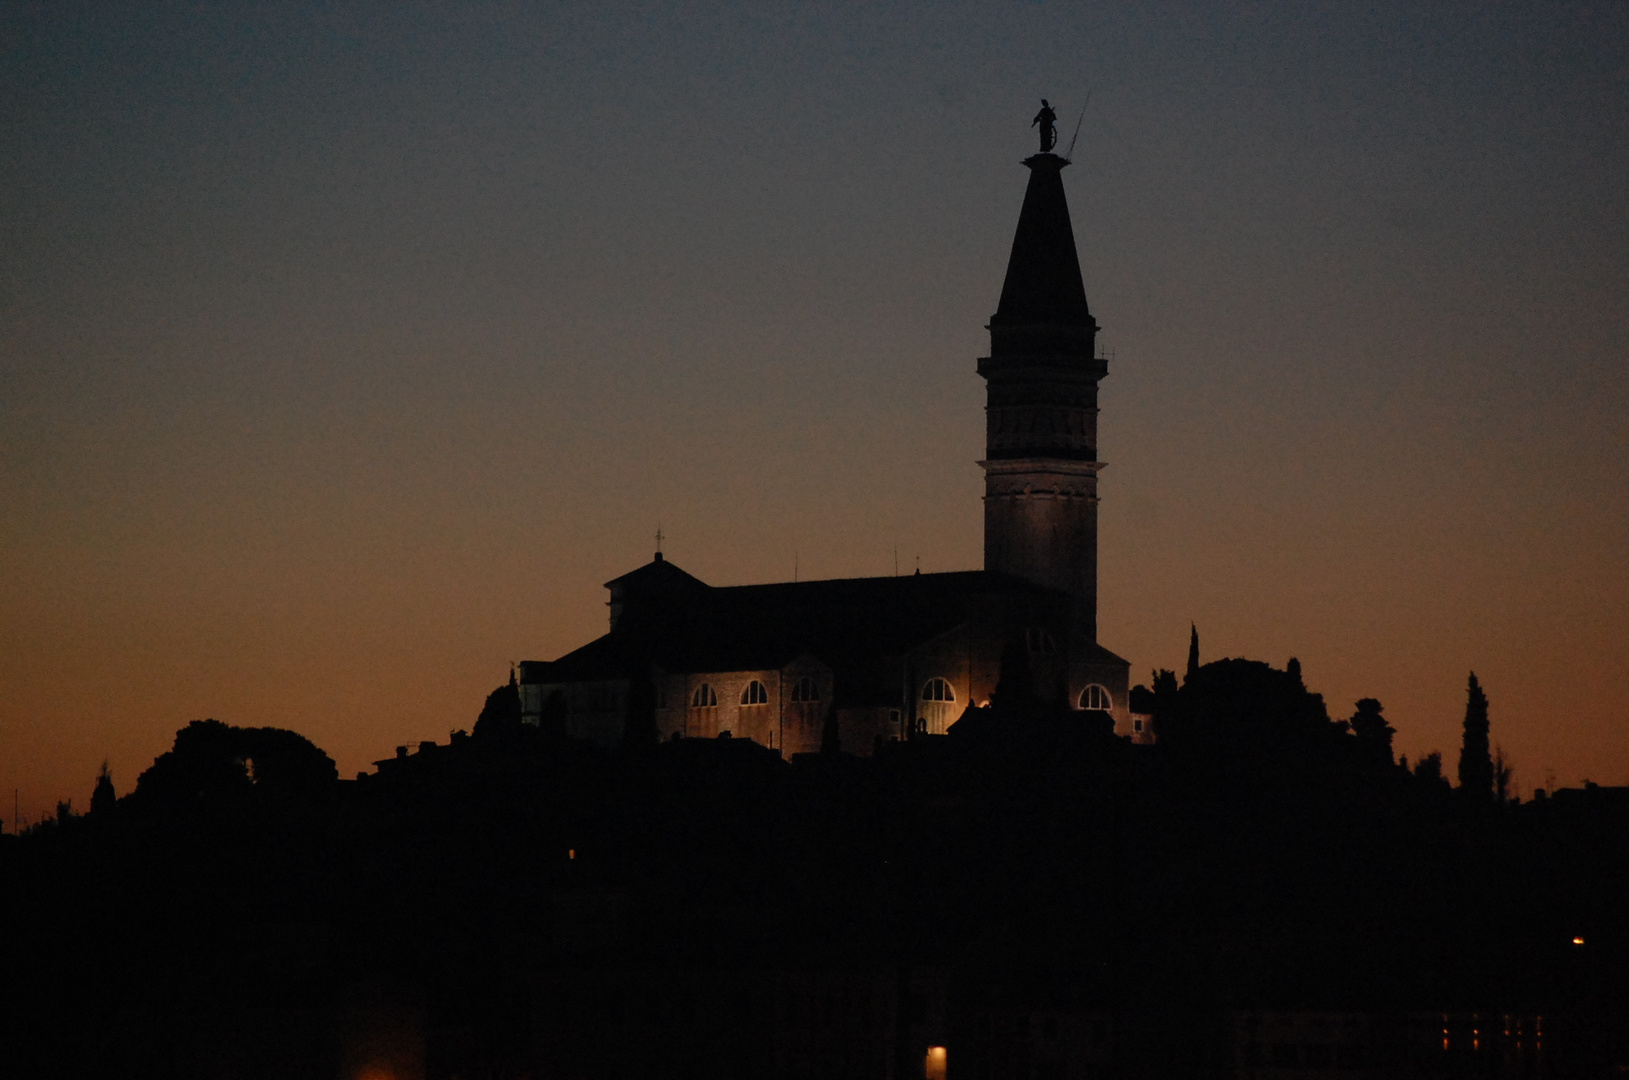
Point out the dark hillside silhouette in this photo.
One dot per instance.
(491, 900)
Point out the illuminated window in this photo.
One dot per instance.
(938, 690)
(1039, 641)
(805, 690)
(1095, 697)
(755, 694)
(703, 698)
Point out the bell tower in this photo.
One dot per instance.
(1040, 467)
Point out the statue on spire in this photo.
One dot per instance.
(1049, 126)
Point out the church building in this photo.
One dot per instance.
(857, 662)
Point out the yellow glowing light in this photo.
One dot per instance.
(1577, 941)
(935, 1065)
(571, 853)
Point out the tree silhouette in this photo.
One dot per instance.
(1193, 651)
(102, 797)
(211, 761)
(1429, 770)
(1015, 685)
(1373, 733)
(1163, 698)
(1475, 765)
(1502, 773)
(500, 715)
(1246, 719)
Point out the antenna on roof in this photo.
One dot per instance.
(659, 539)
(1070, 154)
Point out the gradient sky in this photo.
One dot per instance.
(346, 349)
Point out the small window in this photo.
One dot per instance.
(938, 690)
(755, 694)
(703, 698)
(805, 689)
(1040, 641)
(1137, 726)
(1095, 697)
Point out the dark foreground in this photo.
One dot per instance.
(1262, 894)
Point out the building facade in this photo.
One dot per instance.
(852, 663)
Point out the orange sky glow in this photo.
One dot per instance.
(343, 357)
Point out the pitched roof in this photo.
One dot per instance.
(852, 623)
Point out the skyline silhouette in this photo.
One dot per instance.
(344, 357)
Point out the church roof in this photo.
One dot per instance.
(1043, 284)
(848, 623)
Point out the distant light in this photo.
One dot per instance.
(1577, 941)
(935, 1069)
(571, 853)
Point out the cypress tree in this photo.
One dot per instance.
(1193, 651)
(1475, 763)
(1015, 684)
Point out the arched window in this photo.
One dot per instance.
(1096, 697)
(938, 690)
(805, 689)
(755, 694)
(703, 698)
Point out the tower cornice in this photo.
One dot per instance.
(1053, 465)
